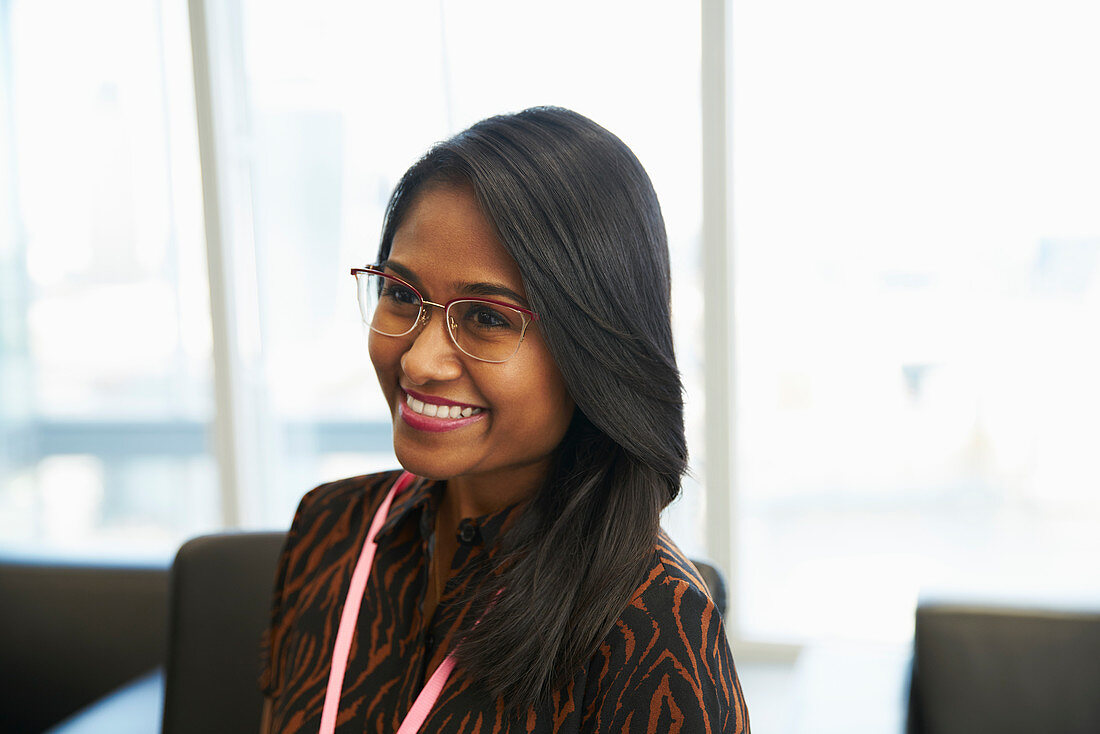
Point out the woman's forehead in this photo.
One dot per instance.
(445, 239)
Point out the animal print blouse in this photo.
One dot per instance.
(664, 667)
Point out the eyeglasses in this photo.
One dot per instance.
(487, 330)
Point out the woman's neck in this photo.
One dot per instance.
(475, 496)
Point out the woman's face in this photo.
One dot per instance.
(446, 248)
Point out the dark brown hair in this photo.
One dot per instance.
(578, 213)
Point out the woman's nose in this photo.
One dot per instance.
(431, 355)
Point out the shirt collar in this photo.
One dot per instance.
(422, 498)
(422, 494)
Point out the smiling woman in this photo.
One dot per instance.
(515, 576)
(446, 244)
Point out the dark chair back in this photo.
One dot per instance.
(221, 604)
(72, 632)
(981, 669)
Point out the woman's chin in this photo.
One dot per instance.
(430, 467)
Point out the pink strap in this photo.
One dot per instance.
(350, 615)
(422, 706)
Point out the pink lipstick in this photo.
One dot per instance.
(433, 414)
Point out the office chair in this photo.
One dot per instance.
(220, 606)
(989, 669)
(71, 632)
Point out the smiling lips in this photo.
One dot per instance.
(437, 417)
(439, 410)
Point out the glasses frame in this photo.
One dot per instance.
(424, 316)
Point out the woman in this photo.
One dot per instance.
(520, 581)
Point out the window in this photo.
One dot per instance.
(105, 332)
(918, 291)
(315, 111)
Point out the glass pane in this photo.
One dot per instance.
(368, 89)
(918, 300)
(105, 337)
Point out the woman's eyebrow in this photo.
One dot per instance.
(402, 271)
(492, 289)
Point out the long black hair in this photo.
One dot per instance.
(576, 210)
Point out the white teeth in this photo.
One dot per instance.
(439, 411)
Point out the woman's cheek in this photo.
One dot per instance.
(385, 362)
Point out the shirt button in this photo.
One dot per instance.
(467, 531)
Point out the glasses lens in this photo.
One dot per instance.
(387, 305)
(486, 331)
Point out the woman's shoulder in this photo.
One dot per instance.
(319, 547)
(330, 511)
(672, 581)
(667, 657)
(327, 526)
(678, 567)
(344, 493)
(672, 608)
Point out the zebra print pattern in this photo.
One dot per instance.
(665, 667)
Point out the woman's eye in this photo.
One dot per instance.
(400, 294)
(486, 317)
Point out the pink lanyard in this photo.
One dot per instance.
(422, 706)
